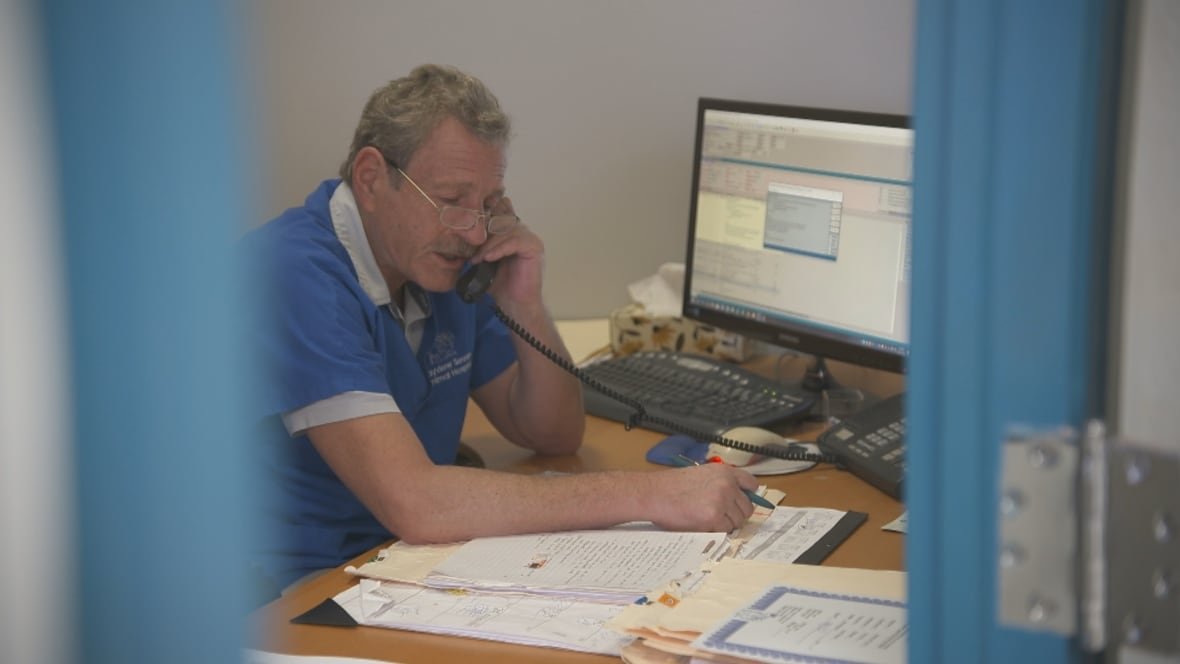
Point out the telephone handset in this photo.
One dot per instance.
(475, 282)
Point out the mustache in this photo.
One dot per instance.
(464, 251)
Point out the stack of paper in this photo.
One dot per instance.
(556, 590)
(565, 590)
(511, 618)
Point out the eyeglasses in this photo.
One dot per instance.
(461, 218)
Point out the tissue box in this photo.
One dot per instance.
(633, 329)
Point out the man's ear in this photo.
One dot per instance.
(369, 175)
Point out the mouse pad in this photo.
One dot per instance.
(665, 452)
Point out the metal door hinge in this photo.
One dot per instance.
(1089, 539)
(1038, 522)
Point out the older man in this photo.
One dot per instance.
(372, 356)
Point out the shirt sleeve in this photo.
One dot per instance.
(320, 342)
(339, 408)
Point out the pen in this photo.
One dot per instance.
(684, 461)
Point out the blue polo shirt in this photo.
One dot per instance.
(327, 335)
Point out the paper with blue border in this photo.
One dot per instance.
(787, 624)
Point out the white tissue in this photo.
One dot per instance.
(661, 293)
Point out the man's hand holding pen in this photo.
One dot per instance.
(714, 497)
(684, 461)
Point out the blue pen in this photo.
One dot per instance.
(684, 462)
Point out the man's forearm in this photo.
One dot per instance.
(465, 503)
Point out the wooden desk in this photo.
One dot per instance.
(607, 446)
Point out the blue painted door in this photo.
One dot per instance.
(151, 181)
(1012, 115)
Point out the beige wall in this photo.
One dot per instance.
(602, 92)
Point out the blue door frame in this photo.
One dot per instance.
(148, 119)
(1012, 112)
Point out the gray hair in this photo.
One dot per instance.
(399, 116)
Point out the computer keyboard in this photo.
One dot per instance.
(697, 393)
(871, 444)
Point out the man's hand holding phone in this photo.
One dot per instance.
(520, 255)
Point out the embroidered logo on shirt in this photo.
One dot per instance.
(443, 348)
(445, 362)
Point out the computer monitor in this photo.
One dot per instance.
(799, 231)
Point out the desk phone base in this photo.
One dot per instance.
(872, 444)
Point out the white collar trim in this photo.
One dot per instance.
(346, 220)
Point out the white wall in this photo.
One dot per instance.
(1149, 361)
(36, 469)
(602, 93)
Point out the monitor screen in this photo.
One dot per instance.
(799, 230)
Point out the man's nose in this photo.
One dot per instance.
(477, 234)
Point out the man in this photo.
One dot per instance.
(373, 356)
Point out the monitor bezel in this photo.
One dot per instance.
(793, 337)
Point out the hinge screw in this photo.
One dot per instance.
(1161, 527)
(1011, 555)
(1039, 610)
(1161, 584)
(1136, 470)
(1042, 456)
(1132, 632)
(1011, 502)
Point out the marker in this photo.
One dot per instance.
(684, 462)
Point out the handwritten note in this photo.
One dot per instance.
(629, 562)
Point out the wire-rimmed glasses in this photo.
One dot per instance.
(461, 218)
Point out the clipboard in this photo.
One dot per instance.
(833, 538)
(327, 613)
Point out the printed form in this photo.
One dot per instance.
(787, 624)
(789, 532)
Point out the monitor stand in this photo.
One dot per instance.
(832, 398)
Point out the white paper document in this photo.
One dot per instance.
(616, 565)
(789, 532)
(788, 624)
(264, 657)
(523, 619)
(897, 525)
